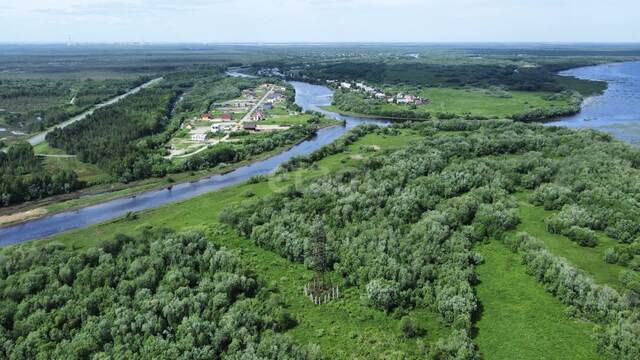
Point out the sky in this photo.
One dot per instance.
(267, 21)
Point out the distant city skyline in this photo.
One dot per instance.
(288, 21)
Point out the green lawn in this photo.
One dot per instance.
(86, 172)
(477, 102)
(44, 148)
(589, 260)
(345, 329)
(520, 320)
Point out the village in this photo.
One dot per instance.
(247, 113)
(376, 93)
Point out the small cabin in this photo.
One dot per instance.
(249, 126)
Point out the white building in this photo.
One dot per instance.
(222, 127)
(199, 137)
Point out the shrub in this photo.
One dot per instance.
(382, 293)
(584, 236)
(610, 256)
(410, 328)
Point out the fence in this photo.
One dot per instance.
(320, 295)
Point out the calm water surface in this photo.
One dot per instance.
(617, 111)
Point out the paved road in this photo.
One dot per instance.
(37, 139)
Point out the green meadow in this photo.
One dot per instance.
(519, 320)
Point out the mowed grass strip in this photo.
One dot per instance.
(520, 320)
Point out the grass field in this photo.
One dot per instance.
(477, 102)
(462, 102)
(90, 173)
(347, 328)
(520, 320)
(589, 260)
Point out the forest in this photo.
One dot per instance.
(542, 77)
(110, 136)
(160, 295)
(37, 104)
(418, 219)
(403, 225)
(23, 178)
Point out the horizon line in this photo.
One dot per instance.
(262, 43)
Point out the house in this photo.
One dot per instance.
(345, 85)
(199, 137)
(267, 106)
(276, 95)
(249, 126)
(421, 101)
(226, 117)
(257, 116)
(222, 127)
(205, 116)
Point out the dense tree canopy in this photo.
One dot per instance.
(403, 224)
(23, 178)
(160, 295)
(37, 104)
(110, 136)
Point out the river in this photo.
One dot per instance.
(309, 97)
(617, 111)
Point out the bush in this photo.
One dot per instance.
(610, 256)
(410, 328)
(584, 237)
(382, 293)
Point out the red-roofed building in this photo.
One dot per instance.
(205, 116)
(226, 117)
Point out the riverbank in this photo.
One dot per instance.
(334, 109)
(50, 206)
(617, 110)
